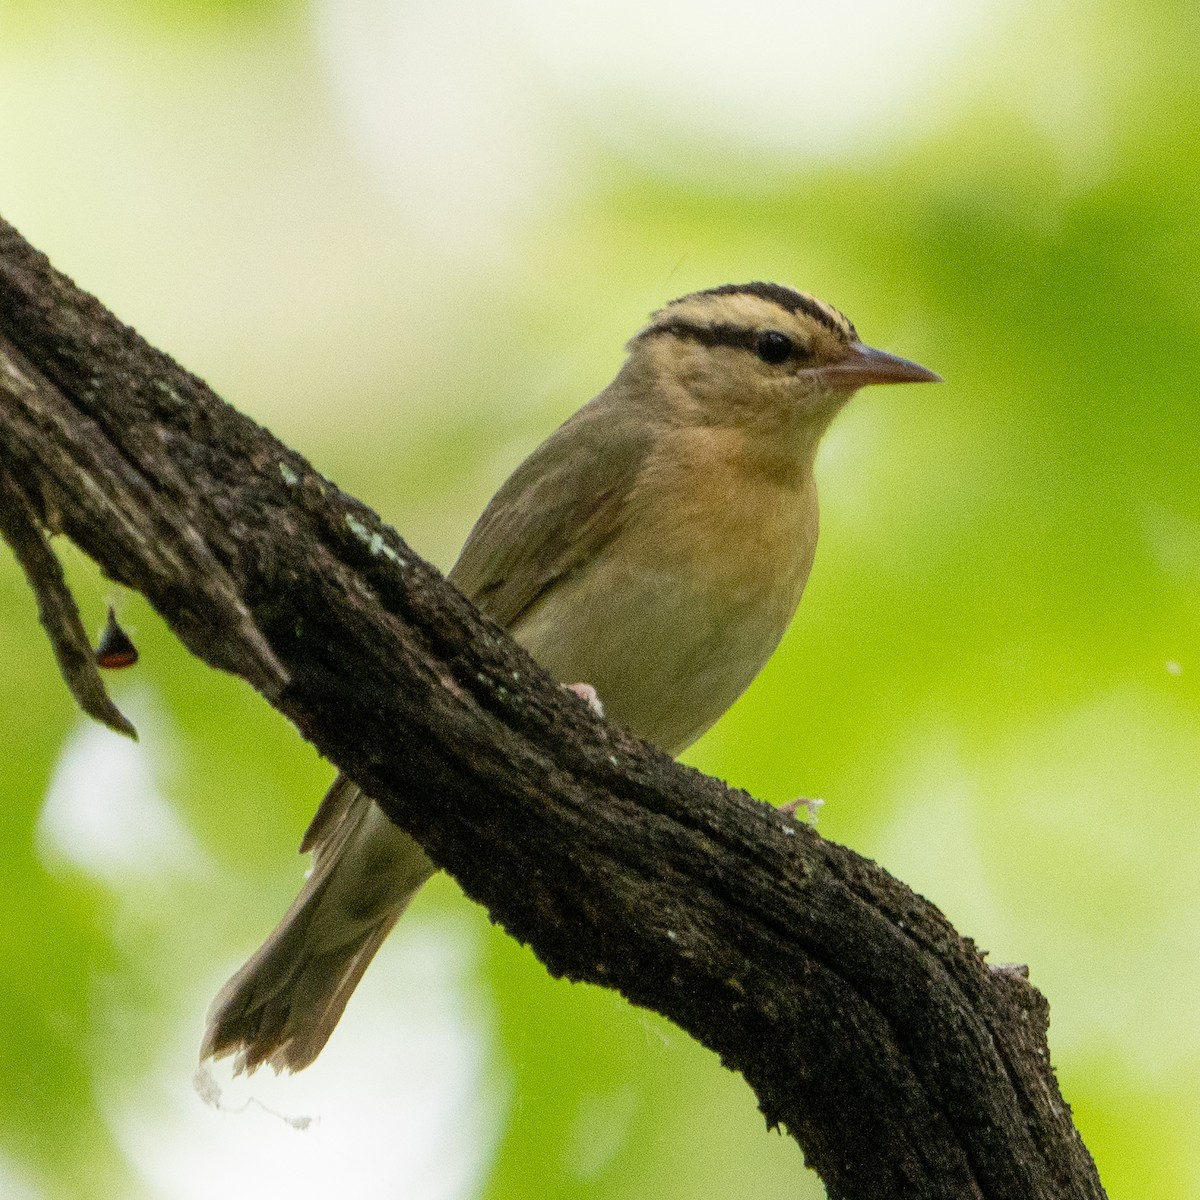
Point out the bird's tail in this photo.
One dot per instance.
(281, 1007)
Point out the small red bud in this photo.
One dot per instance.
(115, 650)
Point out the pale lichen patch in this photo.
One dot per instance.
(14, 374)
(375, 542)
(160, 385)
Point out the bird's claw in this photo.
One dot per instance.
(588, 695)
(793, 806)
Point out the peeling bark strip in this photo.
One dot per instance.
(899, 1061)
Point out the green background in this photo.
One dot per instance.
(993, 681)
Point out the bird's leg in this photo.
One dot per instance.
(793, 806)
(588, 695)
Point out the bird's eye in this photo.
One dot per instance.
(774, 347)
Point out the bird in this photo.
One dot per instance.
(653, 548)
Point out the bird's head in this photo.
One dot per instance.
(759, 355)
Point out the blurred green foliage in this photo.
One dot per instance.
(994, 680)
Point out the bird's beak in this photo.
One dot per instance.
(862, 365)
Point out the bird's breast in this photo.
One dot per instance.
(674, 617)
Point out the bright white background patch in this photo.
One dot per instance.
(446, 109)
(785, 76)
(15, 1184)
(401, 1103)
(104, 810)
(470, 112)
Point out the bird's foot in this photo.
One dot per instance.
(792, 807)
(588, 695)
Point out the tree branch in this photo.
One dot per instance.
(901, 1063)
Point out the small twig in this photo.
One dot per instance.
(56, 606)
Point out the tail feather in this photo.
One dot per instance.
(281, 1007)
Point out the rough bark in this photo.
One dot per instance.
(900, 1061)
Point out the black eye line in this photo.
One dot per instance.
(718, 334)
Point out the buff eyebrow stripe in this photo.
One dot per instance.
(787, 299)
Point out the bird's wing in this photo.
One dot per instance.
(556, 510)
(552, 515)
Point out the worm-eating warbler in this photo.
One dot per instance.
(655, 546)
